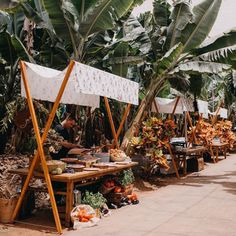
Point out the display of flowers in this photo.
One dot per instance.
(152, 137)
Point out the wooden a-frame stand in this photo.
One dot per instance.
(167, 145)
(114, 133)
(39, 156)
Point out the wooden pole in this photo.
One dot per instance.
(217, 112)
(173, 160)
(191, 125)
(155, 105)
(126, 113)
(175, 106)
(47, 127)
(113, 129)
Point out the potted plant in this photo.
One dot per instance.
(126, 180)
(95, 200)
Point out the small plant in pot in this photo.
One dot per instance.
(126, 180)
(95, 200)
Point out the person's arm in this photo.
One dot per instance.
(69, 145)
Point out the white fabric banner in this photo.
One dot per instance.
(44, 84)
(94, 81)
(84, 86)
(223, 113)
(166, 105)
(203, 108)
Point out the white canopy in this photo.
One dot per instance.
(203, 108)
(166, 105)
(84, 86)
(223, 113)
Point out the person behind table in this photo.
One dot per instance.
(63, 130)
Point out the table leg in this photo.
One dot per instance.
(184, 165)
(217, 154)
(69, 202)
(225, 152)
(212, 154)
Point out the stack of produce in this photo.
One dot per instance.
(225, 133)
(119, 190)
(83, 215)
(152, 138)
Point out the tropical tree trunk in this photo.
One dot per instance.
(153, 89)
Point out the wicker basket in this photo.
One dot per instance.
(117, 158)
(53, 165)
(7, 207)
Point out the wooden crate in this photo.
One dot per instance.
(195, 164)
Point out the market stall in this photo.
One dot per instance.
(216, 135)
(182, 106)
(78, 84)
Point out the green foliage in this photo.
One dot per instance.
(195, 32)
(169, 60)
(161, 12)
(11, 108)
(180, 17)
(126, 177)
(95, 200)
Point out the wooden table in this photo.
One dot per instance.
(189, 152)
(217, 147)
(70, 179)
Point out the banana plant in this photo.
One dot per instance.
(185, 34)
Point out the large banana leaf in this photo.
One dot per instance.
(136, 35)
(179, 82)
(120, 60)
(161, 12)
(12, 48)
(180, 16)
(201, 67)
(169, 60)
(205, 15)
(39, 17)
(83, 6)
(119, 67)
(5, 21)
(8, 4)
(224, 40)
(219, 54)
(57, 17)
(102, 16)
